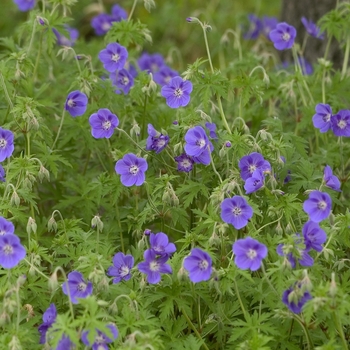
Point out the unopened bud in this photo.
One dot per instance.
(31, 226)
(333, 286)
(96, 222)
(15, 200)
(43, 173)
(41, 20)
(52, 224)
(147, 232)
(53, 281)
(135, 130)
(21, 280)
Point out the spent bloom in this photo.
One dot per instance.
(103, 123)
(341, 123)
(184, 163)
(64, 41)
(11, 251)
(160, 244)
(101, 340)
(113, 57)
(255, 182)
(318, 206)
(24, 5)
(76, 287)
(295, 298)
(49, 317)
(6, 227)
(312, 28)
(177, 92)
(156, 141)
(153, 266)
(249, 253)
(236, 211)
(314, 236)
(121, 268)
(123, 80)
(199, 265)
(6, 144)
(331, 180)
(248, 164)
(132, 170)
(76, 103)
(151, 62)
(164, 75)
(322, 118)
(283, 36)
(198, 145)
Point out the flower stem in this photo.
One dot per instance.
(132, 10)
(36, 269)
(307, 335)
(239, 299)
(346, 58)
(2, 81)
(340, 330)
(59, 129)
(32, 37)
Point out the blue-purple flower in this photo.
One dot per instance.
(65, 343)
(236, 211)
(312, 28)
(268, 24)
(113, 57)
(153, 266)
(103, 123)
(302, 255)
(151, 62)
(76, 103)
(306, 67)
(121, 268)
(6, 227)
(283, 36)
(331, 180)
(64, 41)
(248, 164)
(318, 206)
(255, 182)
(198, 145)
(132, 170)
(118, 13)
(314, 236)
(199, 265)
(156, 141)
(212, 130)
(6, 144)
(184, 163)
(2, 174)
(254, 28)
(101, 340)
(11, 251)
(322, 118)
(102, 23)
(24, 5)
(249, 253)
(160, 244)
(164, 75)
(123, 80)
(49, 317)
(76, 287)
(177, 92)
(341, 123)
(295, 298)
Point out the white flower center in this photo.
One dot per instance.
(106, 125)
(178, 92)
(71, 103)
(2, 232)
(252, 168)
(154, 266)
(203, 265)
(322, 205)
(342, 124)
(100, 339)
(326, 118)
(286, 36)
(251, 254)
(158, 248)
(124, 270)
(201, 143)
(125, 81)
(236, 211)
(115, 57)
(105, 26)
(186, 163)
(160, 143)
(81, 287)
(134, 169)
(8, 249)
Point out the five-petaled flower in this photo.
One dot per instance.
(177, 92)
(318, 206)
(123, 80)
(65, 343)
(153, 266)
(113, 57)
(121, 268)
(49, 317)
(131, 170)
(11, 251)
(199, 265)
(236, 211)
(212, 130)
(294, 252)
(341, 123)
(314, 236)
(24, 5)
(6, 227)
(295, 298)
(164, 75)
(248, 164)
(63, 40)
(156, 141)
(184, 162)
(255, 182)
(322, 118)
(6, 144)
(101, 340)
(76, 287)
(283, 36)
(249, 253)
(76, 103)
(160, 244)
(103, 123)
(151, 62)
(312, 28)
(331, 180)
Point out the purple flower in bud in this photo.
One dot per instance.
(2, 174)
(331, 180)
(306, 67)
(65, 344)
(184, 163)
(228, 144)
(147, 232)
(175, 122)
(283, 36)
(189, 19)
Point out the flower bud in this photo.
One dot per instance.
(15, 200)
(96, 222)
(333, 286)
(53, 281)
(52, 224)
(43, 173)
(31, 226)
(147, 232)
